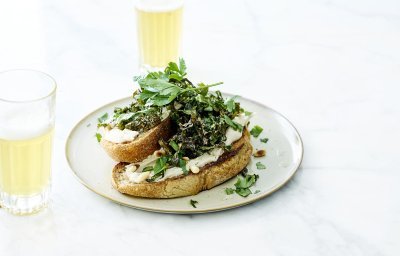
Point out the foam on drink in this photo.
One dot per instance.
(20, 127)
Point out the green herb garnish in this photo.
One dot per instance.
(246, 181)
(247, 113)
(182, 164)
(103, 118)
(98, 137)
(174, 145)
(161, 88)
(147, 169)
(231, 104)
(233, 124)
(256, 131)
(244, 192)
(264, 140)
(159, 168)
(200, 118)
(229, 191)
(193, 203)
(260, 166)
(242, 185)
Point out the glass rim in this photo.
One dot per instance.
(47, 95)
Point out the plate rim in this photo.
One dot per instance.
(194, 211)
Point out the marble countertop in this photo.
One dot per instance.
(332, 67)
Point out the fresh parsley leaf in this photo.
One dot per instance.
(176, 77)
(162, 100)
(233, 124)
(173, 67)
(160, 86)
(174, 145)
(244, 192)
(158, 90)
(229, 191)
(230, 103)
(103, 118)
(260, 166)
(98, 137)
(247, 181)
(145, 94)
(264, 140)
(193, 203)
(242, 185)
(256, 131)
(182, 66)
(159, 168)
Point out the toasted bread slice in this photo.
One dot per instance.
(144, 145)
(227, 166)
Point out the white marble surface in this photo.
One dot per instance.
(332, 67)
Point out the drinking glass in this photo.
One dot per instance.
(27, 102)
(159, 26)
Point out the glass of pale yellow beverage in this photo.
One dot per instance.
(27, 102)
(159, 26)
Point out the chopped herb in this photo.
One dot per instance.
(103, 118)
(244, 192)
(229, 191)
(257, 191)
(230, 103)
(264, 140)
(242, 185)
(193, 203)
(228, 148)
(89, 124)
(260, 166)
(98, 137)
(147, 169)
(182, 164)
(159, 168)
(233, 124)
(174, 145)
(256, 131)
(247, 113)
(247, 181)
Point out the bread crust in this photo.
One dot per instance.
(140, 148)
(227, 166)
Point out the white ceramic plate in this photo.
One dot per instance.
(93, 167)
